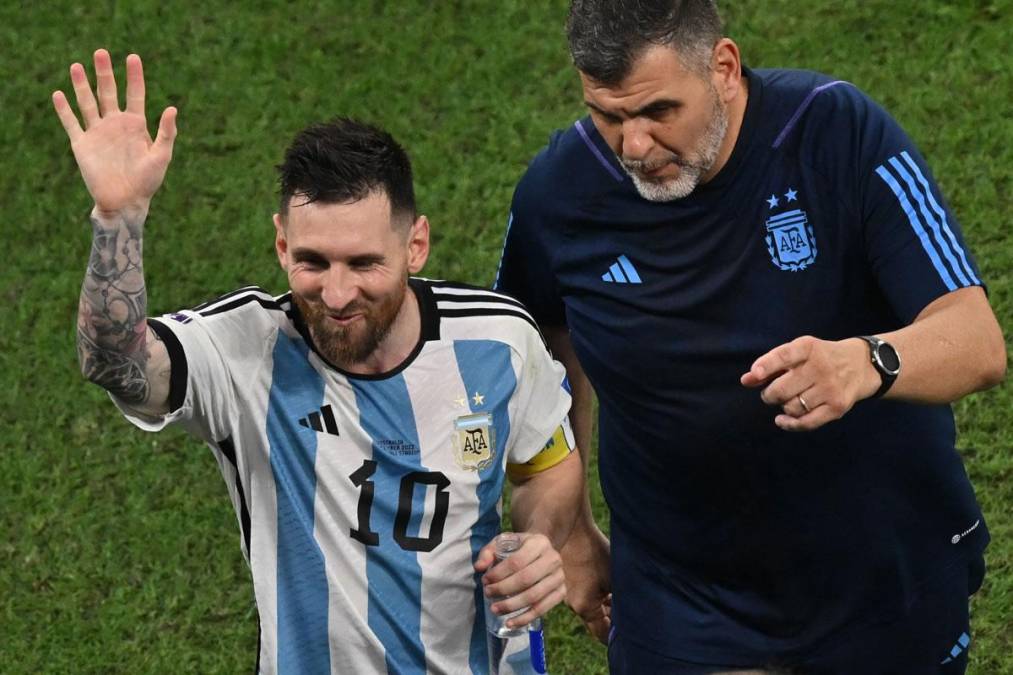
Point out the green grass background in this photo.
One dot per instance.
(119, 552)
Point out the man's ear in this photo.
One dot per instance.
(418, 245)
(280, 241)
(726, 69)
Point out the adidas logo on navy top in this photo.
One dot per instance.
(312, 421)
(622, 272)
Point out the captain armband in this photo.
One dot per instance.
(555, 451)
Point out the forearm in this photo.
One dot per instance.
(112, 313)
(954, 347)
(548, 502)
(581, 407)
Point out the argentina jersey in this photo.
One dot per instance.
(363, 500)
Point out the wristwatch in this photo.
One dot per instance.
(885, 360)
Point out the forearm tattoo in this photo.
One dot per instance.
(111, 326)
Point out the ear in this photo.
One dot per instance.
(726, 69)
(418, 245)
(280, 242)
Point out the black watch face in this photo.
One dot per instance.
(888, 357)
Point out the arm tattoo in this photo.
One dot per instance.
(112, 314)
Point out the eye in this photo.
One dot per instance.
(365, 264)
(606, 118)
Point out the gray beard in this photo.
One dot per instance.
(690, 171)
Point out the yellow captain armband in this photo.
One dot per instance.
(555, 451)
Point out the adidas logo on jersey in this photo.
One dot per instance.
(312, 421)
(622, 272)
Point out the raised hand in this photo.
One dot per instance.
(120, 163)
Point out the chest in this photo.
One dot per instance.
(716, 280)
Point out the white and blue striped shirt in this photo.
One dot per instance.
(364, 500)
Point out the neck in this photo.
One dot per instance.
(400, 341)
(736, 114)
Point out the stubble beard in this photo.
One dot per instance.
(346, 346)
(690, 170)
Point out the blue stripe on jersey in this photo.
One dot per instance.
(486, 370)
(942, 217)
(296, 389)
(929, 218)
(917, 226)
(393, 575)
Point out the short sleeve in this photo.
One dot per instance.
(913, 240)
(542, 401)
(525, 269)
(202, 395)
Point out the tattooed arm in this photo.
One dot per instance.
(122, 168)
(116, 348)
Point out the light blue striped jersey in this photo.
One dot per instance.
(363, 500)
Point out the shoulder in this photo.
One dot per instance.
(473, 312)
(812, 111)
(245, 313)
(575, 164)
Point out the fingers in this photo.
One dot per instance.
(777, 360)
(532, 577)
(786, 388)
(538, 599)
(135, 85)
(533, 560)
(485, 557)
(67, 117)
(106, 83)
(813, 420)
(85, 99)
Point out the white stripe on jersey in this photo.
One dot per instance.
(444, 648)
(479, 305)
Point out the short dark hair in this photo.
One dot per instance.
(607, 36)
(343, 161)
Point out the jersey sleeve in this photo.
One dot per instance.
(912, 239)
(525, 269)
(542, 404)
(202, 392)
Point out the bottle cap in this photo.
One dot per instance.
(507, 543)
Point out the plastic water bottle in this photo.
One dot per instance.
(499, 634)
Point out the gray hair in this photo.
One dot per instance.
(607, 36)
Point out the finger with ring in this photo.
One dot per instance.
(805, 406)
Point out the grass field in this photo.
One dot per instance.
(119, 552)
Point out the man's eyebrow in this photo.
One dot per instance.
(306, 254)
(651, 108)
(366, 259)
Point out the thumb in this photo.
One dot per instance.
(166, 131)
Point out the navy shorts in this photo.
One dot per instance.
(933, 637)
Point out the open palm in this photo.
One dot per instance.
(120, 163)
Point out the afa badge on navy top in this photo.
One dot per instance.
(790, 238)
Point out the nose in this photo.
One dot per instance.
(339, 288)
(637, 140)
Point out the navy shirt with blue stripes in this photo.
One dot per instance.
(731, 538)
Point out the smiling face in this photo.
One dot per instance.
(348, 266)
(670, 127)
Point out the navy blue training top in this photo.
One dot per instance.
(731, 538)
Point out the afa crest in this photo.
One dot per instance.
(474, 441)
(790, 241)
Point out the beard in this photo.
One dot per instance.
(691, 168)
(345, 346)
